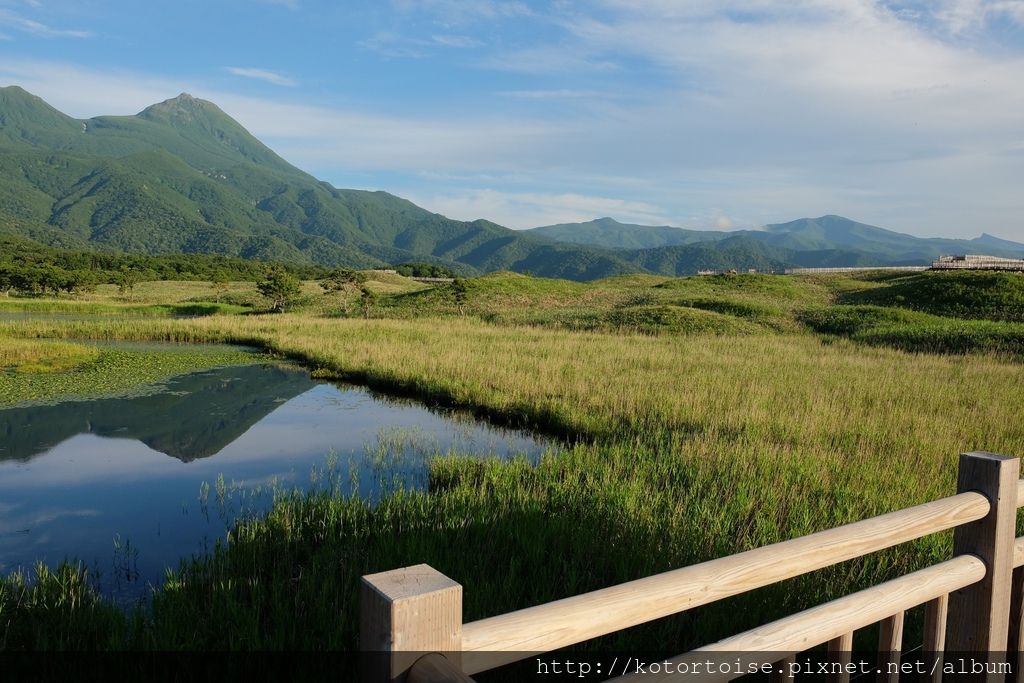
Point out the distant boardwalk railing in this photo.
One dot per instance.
(413, 616)
(796, 271)
(978, 262)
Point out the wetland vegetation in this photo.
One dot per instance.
(700, 417)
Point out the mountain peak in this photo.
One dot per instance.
(184, 106)
(26, 119)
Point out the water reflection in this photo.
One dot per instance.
(195, 416)
(92, 479)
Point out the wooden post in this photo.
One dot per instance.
(935, 614)
(1014, 646)
(435, 668)
(783, 669)
(405, 614)
(890, 644)
(979, 614)
(840, 651)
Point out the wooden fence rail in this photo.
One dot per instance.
(973, 602)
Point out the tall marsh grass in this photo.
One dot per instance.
(679, 448)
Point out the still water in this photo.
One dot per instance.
(130, 486)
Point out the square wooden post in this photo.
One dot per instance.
(1015, 642)
(404, 614)
(979, 614)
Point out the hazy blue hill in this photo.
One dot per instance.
(810, 242)
(609, 233)
(836, 232)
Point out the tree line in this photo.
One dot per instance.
(33, 268)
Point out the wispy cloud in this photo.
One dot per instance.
(548, 59)
(532, 209)
(290, 4)
(455, 12)
(272, 77)
(37, 28)
(456, 41)
(563, 94)
(391, 44)
(903, 113)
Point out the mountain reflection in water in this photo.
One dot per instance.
(91, 480)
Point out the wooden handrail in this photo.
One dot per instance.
(833, 619)
(415, 610)
(510, 637)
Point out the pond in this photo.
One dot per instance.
(131, 485)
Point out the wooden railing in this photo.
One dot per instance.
(972, 601)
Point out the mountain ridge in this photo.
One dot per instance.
(182, 176)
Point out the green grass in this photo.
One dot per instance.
(34, 357)
(59, 371)
(56, 609)
(644, 304)
(914, 331)
(969, 294)
(690, 443)
(31, 307)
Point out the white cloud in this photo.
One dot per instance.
(744, 112)
(312, 137)
(272, 77)
(37, 28)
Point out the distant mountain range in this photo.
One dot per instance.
(184, 177)
(825, 241)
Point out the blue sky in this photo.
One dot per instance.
(698, 113)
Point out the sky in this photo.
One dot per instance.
(907, 114)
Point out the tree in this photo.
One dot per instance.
(280, 288)
(367, 298)
(341, 279)
(126, 280)
(219, 280)
(460, 292)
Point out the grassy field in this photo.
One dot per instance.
(700, 417)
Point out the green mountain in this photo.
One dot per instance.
(821, 242)
(183, 176)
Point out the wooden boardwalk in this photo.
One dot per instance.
(972, 601)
